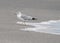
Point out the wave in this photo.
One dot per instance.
(51, 26)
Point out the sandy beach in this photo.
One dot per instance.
(43, 9)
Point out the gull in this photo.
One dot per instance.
(25, 17)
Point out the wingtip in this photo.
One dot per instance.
(34, 18)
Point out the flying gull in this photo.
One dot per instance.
(25, 17)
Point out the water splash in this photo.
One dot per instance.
(51, 26)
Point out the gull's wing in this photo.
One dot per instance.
(25, 17)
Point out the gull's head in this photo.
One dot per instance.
(18, 14)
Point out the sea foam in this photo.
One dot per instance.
(51, 26)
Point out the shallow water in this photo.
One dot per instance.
(51, 26)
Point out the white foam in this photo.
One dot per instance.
(51, 26)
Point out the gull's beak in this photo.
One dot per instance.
(15, 13)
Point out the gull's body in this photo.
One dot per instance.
(24, 18)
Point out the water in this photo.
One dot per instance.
(51, 27)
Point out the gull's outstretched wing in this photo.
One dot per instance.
(25, 17)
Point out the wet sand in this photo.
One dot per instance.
(10, 31)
